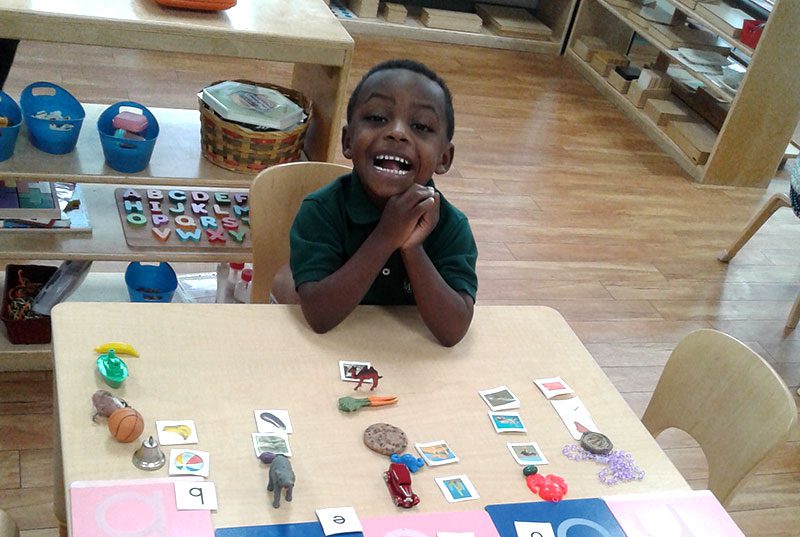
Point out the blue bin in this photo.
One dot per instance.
(150, 283)
(8, 135)
(127, 156)
(51, 135)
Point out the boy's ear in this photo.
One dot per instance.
(347, 151)
(446, 159)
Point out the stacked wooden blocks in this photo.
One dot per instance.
(586, 46)
(604, 61)
(367, 9)
(651, 84)
(451, 20)
(394, 13)
(512, 21)
(621, 77)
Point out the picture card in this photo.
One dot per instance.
(526, 453)
(348, 369)
(535, 529)
(189, 462)
(575, 416)
(336, 520)
(436, 453)
(196, 495)
(268, 421)
(276, 442)
(500, 398)
(507, 422)
(176, 432)
(457, 488)
(552, 387)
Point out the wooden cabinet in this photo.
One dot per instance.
(556, 14)
(764, 111)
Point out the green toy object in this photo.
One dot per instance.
(351, 404)
(113, 369)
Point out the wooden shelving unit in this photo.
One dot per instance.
(556, 14)
(304, 34)
(764, 111)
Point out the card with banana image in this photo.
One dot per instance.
(176, 432)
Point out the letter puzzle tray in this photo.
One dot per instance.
(192, 219)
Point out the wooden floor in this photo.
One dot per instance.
(571, 207)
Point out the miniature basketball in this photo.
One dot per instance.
(125, 424)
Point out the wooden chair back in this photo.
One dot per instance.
(729, 399)
(7, 526)
(275, 195)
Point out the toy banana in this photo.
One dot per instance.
(119, 348)
(184, 430)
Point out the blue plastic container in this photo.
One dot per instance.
(127, 156)
(150, 283)
(8, 135)
(51, 135)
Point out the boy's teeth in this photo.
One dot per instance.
(392, 164)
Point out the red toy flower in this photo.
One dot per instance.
(551, 488)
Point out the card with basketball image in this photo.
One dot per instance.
(436, 453)
(499, 398)
(526, 453)
(553, 387)
(189, 462)
(176, 432)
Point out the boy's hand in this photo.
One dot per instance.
(403, 213)
(425, 225)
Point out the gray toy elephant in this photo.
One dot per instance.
(281, 476)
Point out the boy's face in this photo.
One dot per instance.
(397, 135)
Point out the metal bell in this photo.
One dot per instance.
(149, 457)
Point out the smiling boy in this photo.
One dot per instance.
(383, 234)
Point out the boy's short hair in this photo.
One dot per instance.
(416, 67)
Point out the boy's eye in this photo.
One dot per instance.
(376, 118)
(424, 127)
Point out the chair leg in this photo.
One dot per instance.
(773, 204)
(794, 315)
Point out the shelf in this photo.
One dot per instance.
(106, 242)
(415, 29)
(655, 132)
(98, 286)
(176, 160)
(714, 87)
(711, 26)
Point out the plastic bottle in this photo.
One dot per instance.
(235, 273)
(242, 291)
(224, 287)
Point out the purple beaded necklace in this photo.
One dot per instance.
(620, 465)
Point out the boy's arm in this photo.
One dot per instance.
(327, 302)
(447, 313)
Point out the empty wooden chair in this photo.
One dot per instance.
(774, 203)
(729, 399)
(275, 195)
(7, 526)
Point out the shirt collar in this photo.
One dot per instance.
(359, 207)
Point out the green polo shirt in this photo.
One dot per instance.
(333, 222)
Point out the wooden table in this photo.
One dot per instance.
(303, 32)
(217, 363)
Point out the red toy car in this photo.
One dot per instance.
(398, 481)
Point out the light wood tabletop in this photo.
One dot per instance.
(302, 32)
(215, 364)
